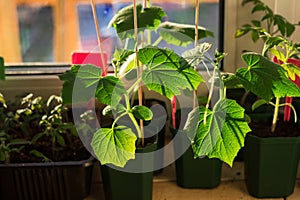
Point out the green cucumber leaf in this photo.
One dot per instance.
(166, 72)
(142, 112)
(181, 34)
(223, 133)
(148, 18)
(265, 78)
(69, 78)
(89, 75)
(120, 56)
(115, 146)
(110, 90)
(231, 81)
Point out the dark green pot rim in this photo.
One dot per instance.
(270, 140)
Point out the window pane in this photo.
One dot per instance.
(48, 29)
(36, 33)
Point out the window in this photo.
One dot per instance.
(48, 31)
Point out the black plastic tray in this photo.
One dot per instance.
(70, 180)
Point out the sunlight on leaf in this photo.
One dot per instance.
(223, 134)
(2, 101)
(110, 90)
(142, 112)
(69, 78)
(265, 78)
(181, 35)
(147, 18)
(166, 72)
(120, 56)
(114, 146)
(89, 74)
(292, 70)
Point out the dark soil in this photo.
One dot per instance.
(73, 150)
(283, 129)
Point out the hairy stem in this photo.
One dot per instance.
(275, 115)
(159, 39)
(209, 95)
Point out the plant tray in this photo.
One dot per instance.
(70, 180)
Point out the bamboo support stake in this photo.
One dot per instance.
(196, 22)
(99, 37)
(139, 69)
(196, 44)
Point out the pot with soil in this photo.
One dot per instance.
(193, 172)
(271, 163)
(271, 155)
(41, 155)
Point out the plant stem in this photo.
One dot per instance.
(137, 127)
(209, 95)
(275, 115)
(159, 39)
(137, 82)
(244, 97)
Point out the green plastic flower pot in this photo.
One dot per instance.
(203, 173)
(271, 165)
(124, 185)
(197, 173)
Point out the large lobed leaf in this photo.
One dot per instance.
(110, 91)
(89, 75)
(89, 84)
(114, 145)
(166, 72)
(222, 134)
(147, 18)
(69, 78)
(265, 78)
(182, 34)
(120, 56)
